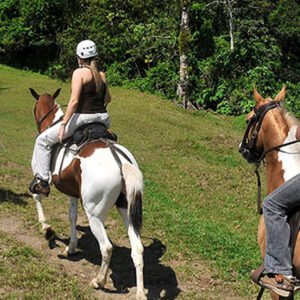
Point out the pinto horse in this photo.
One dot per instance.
(271, 135)
(97, 177)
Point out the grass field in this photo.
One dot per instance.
(200, 195)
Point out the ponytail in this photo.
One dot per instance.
(96, 75)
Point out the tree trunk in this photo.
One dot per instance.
(229, 7)
(183, 81)
(184, 41)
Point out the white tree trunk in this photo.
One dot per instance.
(183, 73)
(183, 81)
(229, 8)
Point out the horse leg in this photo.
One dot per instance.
(106, 247)
(73, 210)
(137, 251)
(46, 228)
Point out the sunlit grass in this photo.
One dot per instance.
(199, 193)
(25, 275)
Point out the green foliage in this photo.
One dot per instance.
(28, 31)
(139, 43)
(161, 79)
(225, 78)
(292, 98)
(184, 41)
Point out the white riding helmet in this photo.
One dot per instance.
(86, 49)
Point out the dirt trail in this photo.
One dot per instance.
(161, 281)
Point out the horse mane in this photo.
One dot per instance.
(290, 119)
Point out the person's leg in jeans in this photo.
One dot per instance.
(277, 274)
(276, 208)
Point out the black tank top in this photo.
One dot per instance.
(90, 100)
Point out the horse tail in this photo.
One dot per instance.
(133, 179)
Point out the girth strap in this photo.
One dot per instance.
(114, 151)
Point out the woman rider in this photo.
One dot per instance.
(89, 98)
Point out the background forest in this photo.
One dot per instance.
(230, 45)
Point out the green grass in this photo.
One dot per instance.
(30, 277)
(200, 195)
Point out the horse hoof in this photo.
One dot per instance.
(49, 234)
(69, 252)
(94, 284)
(65, 254)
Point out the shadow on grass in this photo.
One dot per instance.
(158, 278)
(4, 88)
(12, 197)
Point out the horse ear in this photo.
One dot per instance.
(281, 95)
(56, 93)
(34, 94)
(257, 97)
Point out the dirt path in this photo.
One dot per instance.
(161, 281)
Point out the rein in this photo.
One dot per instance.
(43, 118)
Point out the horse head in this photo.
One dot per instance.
(44, 109)
(265, 127)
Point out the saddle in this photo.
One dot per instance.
(81, 137)
(90, 132)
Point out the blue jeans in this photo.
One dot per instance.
(276, 208)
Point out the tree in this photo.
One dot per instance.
(184, 40)
(228, 4)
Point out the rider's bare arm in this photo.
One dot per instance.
(75, 94)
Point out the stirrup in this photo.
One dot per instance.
(39, 186)
(279, 284)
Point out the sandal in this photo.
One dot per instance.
(278, 283)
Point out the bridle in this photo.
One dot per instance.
(39, 121)
(248, 147)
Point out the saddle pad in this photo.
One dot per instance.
(92, 131)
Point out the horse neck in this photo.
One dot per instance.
(53, 117)
(59, 113)
(275, 131)
(280, 166)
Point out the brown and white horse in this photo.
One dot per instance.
(94, 177)
(271, 135)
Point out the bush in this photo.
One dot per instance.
(161, 79)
